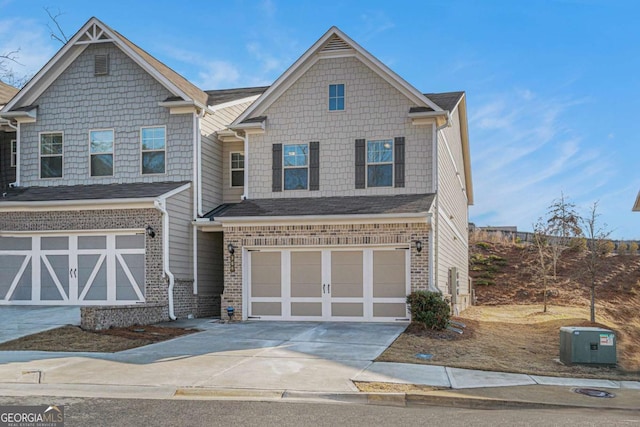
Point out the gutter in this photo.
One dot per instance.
(320, 218)
(160, 205)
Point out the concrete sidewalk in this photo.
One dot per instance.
(287, 360)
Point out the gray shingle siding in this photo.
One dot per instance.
(124, 100)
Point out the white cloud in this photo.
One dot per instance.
(373, 23)
(31, 41)
(524, 153)
(210, 73)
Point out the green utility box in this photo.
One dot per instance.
(587, 345)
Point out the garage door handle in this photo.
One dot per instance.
(73, 272)
(329, 288)
(323, 288)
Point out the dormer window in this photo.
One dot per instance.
(101, 65)
(336, 97)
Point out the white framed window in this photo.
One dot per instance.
(380, 163)
(336, 97)
(237, 169)
(296, 166)
(101, 152)
(51, 155)
(14, 153)
(153, 150)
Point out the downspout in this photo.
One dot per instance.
(17, 129)
(245, 138)
(160, 206)
(197, 193)
(432, 246)
(435, 224)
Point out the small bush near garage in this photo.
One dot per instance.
(429, 309)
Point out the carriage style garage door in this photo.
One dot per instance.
(77, 269)
(329, 284)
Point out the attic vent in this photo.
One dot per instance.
(101, 65)
(335, 43)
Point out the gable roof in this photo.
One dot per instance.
(95, 31)
(333, 43)
(636, 207)
(6, 93)
(217, 97)
(314, 206)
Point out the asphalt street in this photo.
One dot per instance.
(141, 412)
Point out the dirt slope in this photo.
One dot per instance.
(502, 276)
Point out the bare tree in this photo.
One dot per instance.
(563, 223)
(57, 33)
(7, 74)
(542, 265)
(597, 235)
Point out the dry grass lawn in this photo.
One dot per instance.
(72, 338)
(518, 339)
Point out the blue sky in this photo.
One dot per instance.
(552, 86)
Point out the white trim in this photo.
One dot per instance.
(113, 153)
(71, 50)
(231, 169)
(419, 217)
(166, 163)
(444, 215)
(76, 205)
(109, 254)
(53, 155)
(344, 97)
(392, 163)
(311, 56)
(284, 168)
(94, 204)
(326, 299)
(92, 232)
(455, 166)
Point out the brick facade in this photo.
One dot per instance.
(321, 236)
(108, 219)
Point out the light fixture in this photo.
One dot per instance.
(231, 248)
(150, 231)
(418, 246)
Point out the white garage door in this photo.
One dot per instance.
(77, 269)
(329, 284)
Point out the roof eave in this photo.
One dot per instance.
(324, 219)
(636, 207)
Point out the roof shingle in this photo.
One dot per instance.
(348, 205)
(89, 192)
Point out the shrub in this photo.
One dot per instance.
(622, 248)
(578, 244)
(483, 245)
(430, 309)
(633, 248)
(606, 246)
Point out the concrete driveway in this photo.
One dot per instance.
(306, 356)
(20, 320)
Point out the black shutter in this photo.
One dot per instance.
(361, 163)
(277, 168)
(314, 166)
(398, 144)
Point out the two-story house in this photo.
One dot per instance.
(115, 156)
(8, 145)
(331, 194)
(356, 189)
